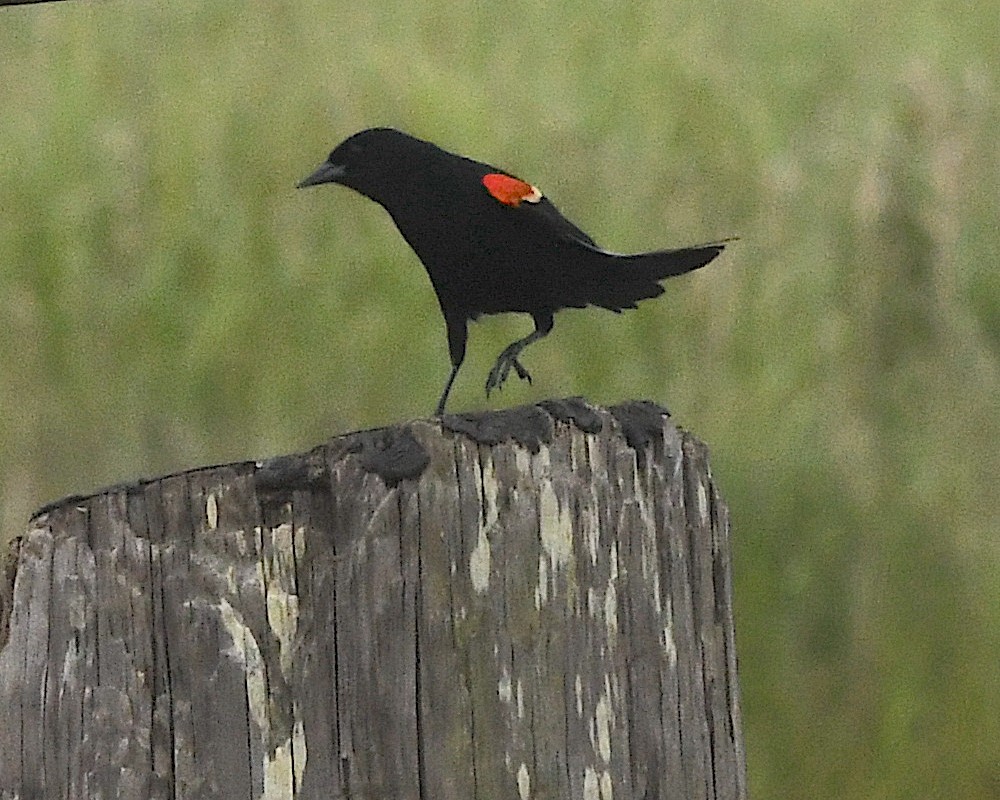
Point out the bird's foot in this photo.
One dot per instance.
(501, 369)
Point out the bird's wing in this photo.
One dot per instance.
(549, 216)
(527, 203)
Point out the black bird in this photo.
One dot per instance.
(493, 243)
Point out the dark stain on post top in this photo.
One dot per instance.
(575, 411)
(294, 472)
(394, 454)
(641, 422)
(529, 426)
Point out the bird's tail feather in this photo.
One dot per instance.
(637, 277)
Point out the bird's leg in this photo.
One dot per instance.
(457, 335)
(508, 358)
(447, 389)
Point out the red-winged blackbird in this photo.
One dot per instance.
(493, 243)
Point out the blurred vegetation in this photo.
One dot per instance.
(167, 299)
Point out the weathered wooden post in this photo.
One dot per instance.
(525, 604)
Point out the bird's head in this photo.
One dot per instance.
(368, 162)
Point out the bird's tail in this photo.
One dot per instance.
(624, 280)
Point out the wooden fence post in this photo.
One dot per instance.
(533, 603)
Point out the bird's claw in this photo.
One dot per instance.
(498, 375)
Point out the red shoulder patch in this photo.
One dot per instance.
(510, 191)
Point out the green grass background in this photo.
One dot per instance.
(167, 299)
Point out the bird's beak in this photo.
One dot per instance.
(327, 173)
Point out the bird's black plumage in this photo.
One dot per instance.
(492, 243)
